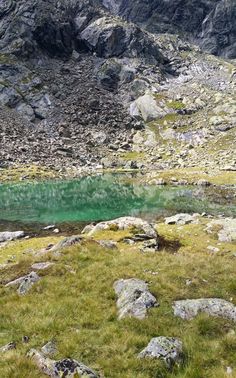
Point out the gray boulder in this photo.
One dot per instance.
(190, 308)
(226, 229)
(113, 37)
(8, 236)
(168, 349)
(181, 219)
(148, 108)
(67, 242)
(134, 298)
(125, 223)
(62, 368)
(27, 283)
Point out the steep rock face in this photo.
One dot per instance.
(210, 22)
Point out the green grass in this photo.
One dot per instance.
(75, 304)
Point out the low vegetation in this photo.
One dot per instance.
(74, 304)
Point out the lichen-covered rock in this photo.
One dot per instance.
(134, 298)
(190, 308)
(24, 283)
(226, 229)
(8, 236)
(27, 283)
(168, 349)
(7, 347)
(181, 219)
(125, 223)
(67, 242)
(49, 349)
(64, 368)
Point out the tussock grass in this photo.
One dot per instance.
(74, 303)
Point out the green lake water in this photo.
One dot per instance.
(105, 197)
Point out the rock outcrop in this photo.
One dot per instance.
(134, 298)
(168, 349)
(211, 23)
(190, 308)
(132, 224)
(63, 368)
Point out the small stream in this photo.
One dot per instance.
(72, 204)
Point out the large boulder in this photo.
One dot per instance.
(225, 228)
(134, 298)
(168, 349)
(8, 236)
(132, 224)
(181, 219)
(148, 108)
(190, 308)
(112, 37)
(63, 368)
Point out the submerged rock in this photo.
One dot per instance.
(8, 236)
(181, 219)
(62, 368)
(190, 308)
(134, 298)
(125, 223)
(168, 349)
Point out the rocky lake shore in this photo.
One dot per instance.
(117, 189)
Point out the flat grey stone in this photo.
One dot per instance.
(42, 265)
(190, 308)
(134, 298)
(181, 219)
(9, 236)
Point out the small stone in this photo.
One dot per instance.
(7, 347)
(27, 283)
(49, 349)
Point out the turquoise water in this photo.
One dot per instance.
(105, 197)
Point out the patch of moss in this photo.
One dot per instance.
(176, 105)
(29, 172)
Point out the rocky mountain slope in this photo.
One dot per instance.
(82, 85)
(211, 23)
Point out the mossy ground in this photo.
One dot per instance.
(28, 172)
(192, 175)
(75, 304)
